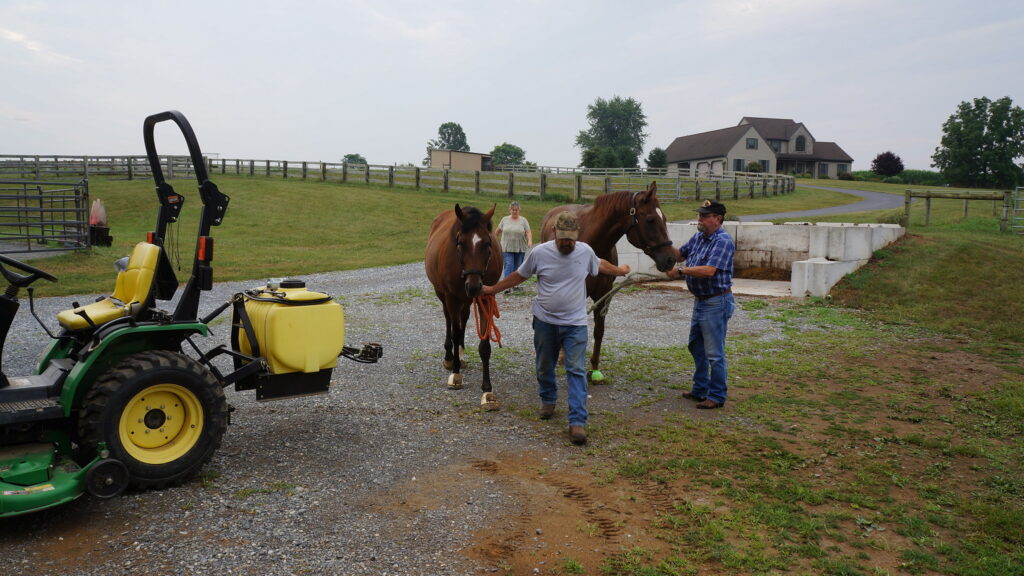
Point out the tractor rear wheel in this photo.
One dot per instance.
(160, 413)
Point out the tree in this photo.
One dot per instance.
(980, 143)
(887, 164)
(450, 136)
(354, 159)
(616, 133)
(507, 154)
(657, 158)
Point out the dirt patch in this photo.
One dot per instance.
(757, 273)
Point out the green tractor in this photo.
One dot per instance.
(124, 396)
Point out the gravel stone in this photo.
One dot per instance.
(318, 484)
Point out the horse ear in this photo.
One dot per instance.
(490, 212)
(458, 212)
(652, 188)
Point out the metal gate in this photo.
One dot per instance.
(43, 216)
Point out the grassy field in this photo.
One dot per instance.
(271, 224)
(881, 435)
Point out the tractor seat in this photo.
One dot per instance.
(131, 293)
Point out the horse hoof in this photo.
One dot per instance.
(489, 402)
(596, 376)
(455, 382)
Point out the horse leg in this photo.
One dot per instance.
(458, 332)
(595, 357)
(488, 401)
(448, 342)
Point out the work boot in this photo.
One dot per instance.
(578, 435)
(547, 411)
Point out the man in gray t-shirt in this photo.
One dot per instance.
(560, 315)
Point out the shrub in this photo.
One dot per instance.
(887, 164)
(892, 180)
(845, 176)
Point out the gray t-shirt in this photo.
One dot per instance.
(561, 282)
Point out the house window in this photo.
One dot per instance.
(764, 166)
(738, 165)
(801, 144)
(751, 143)
(776, 145)
(842, 168)
(823, 169)
(684, 165)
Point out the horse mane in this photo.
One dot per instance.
(472, 217)
(611, 200)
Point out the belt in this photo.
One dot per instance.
(703, 298)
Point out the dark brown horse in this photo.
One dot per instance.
(638, 216)
(462, 255)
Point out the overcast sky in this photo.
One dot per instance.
(318, 80)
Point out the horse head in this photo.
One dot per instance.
(475, 246)
(648, 230)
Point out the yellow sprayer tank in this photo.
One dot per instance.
(297, 330)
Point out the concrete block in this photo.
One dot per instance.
(817, 276)
(849, 243)
(753, 259)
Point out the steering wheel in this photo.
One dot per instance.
(19, 280)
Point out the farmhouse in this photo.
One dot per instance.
(779, 145)
(455, 160)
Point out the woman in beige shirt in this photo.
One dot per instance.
(516, 238)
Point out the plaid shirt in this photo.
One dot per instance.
(716, 250)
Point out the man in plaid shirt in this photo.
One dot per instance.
(708, 257)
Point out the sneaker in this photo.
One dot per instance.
(578, 435)
(547, 411)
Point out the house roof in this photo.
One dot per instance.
(774, 128)
(828, 151)
(705, 145)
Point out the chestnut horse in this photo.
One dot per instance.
(462, 255)
(638, 216)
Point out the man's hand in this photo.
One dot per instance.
(624, 269)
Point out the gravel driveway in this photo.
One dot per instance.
(306, 485)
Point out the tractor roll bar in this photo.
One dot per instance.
(215, 205)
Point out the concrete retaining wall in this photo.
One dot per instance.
(818, 255)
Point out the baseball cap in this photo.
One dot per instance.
(711, 207)
(566, 226)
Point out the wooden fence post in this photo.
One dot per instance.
(252, 167)
(323, 171)
(305, 169)
(131, 168)
(476, 182)
(366, 173)
(927, 210)
(577, 191)
(445, 185)
(607, 184)
(906, 209)
(85, 165)
(543, 185)
(735, 188)
(511, 184)
(1004, 220)
(718, 190)
(285, 168)
(344, 172)
(417, 177)
(391, 176)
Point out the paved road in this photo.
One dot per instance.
(869, 201)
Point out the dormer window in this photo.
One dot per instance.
(751, 143)
(801, 144)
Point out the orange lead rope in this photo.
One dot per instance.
(487, 306)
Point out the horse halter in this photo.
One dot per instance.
(636, 222)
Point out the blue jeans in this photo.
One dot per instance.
(707, 345)
(513, 260)
(548, 339)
